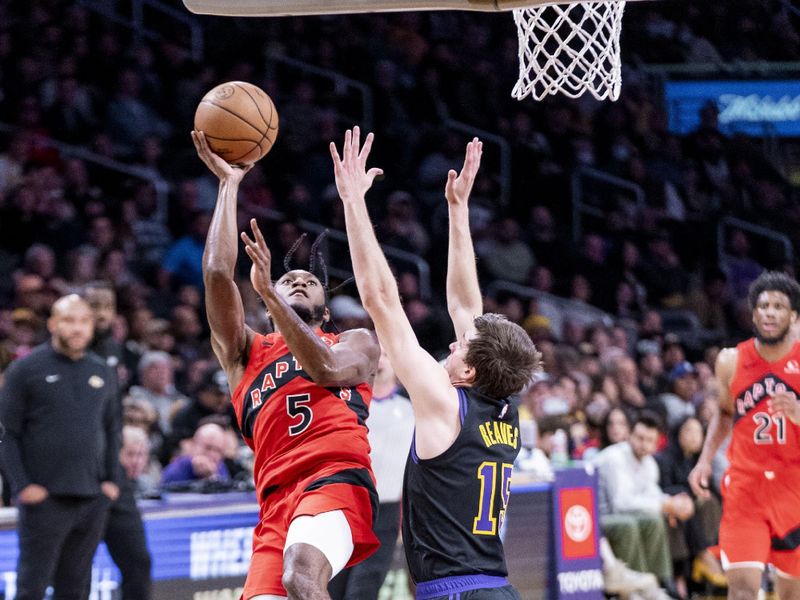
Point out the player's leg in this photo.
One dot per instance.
(743, 582)
(317, 548)
(745, 536)
(74, 570)
(266, 564)
(785, 555)
(42, 529)
(787, 586)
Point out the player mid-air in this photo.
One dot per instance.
(301, 396)
(457, 479)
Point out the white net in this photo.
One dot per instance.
(569, 49)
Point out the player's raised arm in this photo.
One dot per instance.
(350, 362)
(432, 395)
(464, 301)
(720, 426)
(229, 334)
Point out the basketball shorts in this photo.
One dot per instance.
(760, 520)
(467, 587)
(337, 487)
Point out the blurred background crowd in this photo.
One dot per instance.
(99, 183)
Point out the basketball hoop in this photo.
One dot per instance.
(569, 49)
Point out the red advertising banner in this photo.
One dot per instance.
(578, 538)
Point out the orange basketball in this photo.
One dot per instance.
(239, 120)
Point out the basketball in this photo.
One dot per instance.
(239, 120)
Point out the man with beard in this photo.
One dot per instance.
(124, 533)
(759, 382)
(301, 399)
(60, 453)
(102, 299)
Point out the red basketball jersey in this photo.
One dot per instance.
(293, 425)
(763, 441)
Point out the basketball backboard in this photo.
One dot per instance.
(275, 8)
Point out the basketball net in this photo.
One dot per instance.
(569, 49)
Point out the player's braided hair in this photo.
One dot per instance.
(319, 268)
(316, 262)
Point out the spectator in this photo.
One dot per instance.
(187, 331)
(543, 237)
(211, 397)
(740, 267)
(711, 302)
(689, 540)
(156, 385)
(626, 376)
(633, 507)
(183, 262)
(401, 228)
(130, 120)
(616, 428)
(25, 332)
(348, 313)
(664, 275)
(673, 352)
(205, 460)
(507, 257)
(680, 402)
(651, 369)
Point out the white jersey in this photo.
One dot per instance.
(391, 426)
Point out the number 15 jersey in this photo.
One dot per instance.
(293, 425)
(762, 440)
(454, 503)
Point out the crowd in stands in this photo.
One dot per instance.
(69, 75)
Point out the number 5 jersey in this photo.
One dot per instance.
(293, 425)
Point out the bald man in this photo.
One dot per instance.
(60, 454)
(205, 460)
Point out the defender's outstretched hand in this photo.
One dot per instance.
(459, 186)
(259, 253)
(352, 178)
(217, 165)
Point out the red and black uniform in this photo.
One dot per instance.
(311, 454)
(761, 490)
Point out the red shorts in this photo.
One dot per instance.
(346, 487)
(760, 520)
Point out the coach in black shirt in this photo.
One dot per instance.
(60, 453)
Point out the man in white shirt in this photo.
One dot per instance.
(632, 505)
(391, 427)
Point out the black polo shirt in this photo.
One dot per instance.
(62, 423)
